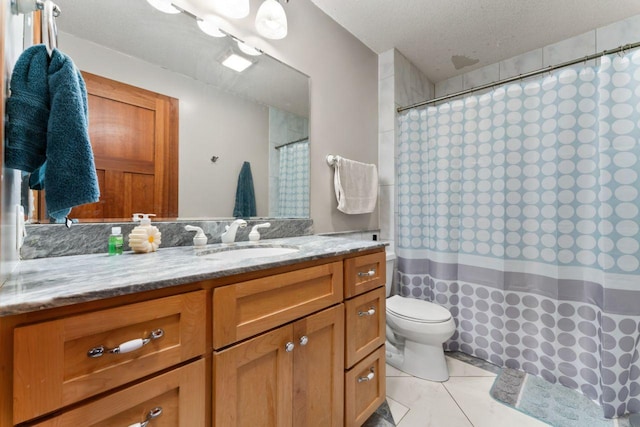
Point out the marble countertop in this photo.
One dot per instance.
(54, 282)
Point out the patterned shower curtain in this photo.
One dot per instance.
(293, 181)
(518, 210)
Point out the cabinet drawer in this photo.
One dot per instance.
(365, 388)
(365, 325)
(245, 309)
(363, 273)
(52, 366)
(179, 395)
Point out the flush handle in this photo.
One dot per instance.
(370, 376)
(369, 273)
(369, 312)
(126, 347)
(154, 413)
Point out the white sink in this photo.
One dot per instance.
(245, 252)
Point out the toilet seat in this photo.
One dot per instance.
(416, 310)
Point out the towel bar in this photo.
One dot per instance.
(332, 160)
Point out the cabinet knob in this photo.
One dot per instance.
(371, 375)
(128, 346)
(369, 273)
(154, 413)
(288, 347)
(304, 340)
(369, 312)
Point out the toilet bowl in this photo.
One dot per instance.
(416, 331)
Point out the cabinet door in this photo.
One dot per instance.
(252, 382)
(318, 388)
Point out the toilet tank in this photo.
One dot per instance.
(391, 257)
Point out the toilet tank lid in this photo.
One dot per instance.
(417, 309)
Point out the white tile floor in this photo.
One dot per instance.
(462, 401)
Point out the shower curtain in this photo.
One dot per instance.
(293, 180)
(518, 210)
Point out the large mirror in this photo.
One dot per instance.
(226, 118)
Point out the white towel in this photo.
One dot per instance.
(356, 186)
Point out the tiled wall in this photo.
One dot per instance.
(608, 37)
(400, 84)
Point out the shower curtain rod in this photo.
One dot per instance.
(292, 142)
(523, 76)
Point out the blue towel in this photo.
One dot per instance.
(70, 179)
(245, 206)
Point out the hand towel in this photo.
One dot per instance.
(48, 124)
(28, 111)
(245, 206)
(356, 186)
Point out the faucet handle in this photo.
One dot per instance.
(200, 239)
(254, 236)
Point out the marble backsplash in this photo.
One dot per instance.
(54, 240)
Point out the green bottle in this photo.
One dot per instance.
(115, 241)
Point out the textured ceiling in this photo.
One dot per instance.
(440, 35)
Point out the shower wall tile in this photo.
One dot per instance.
(386, 154)
(618, 34)
(446, 87)
(481, 76)
(566, 50)
(521, 64)
(386, 105)
(386, 211)
(403, 76)
(386, 64)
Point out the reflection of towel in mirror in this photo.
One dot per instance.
(356, 186)
(245, 196)
(70, 179)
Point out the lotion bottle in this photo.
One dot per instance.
(115, 241)
(145, 237)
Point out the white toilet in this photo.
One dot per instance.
(416, 330)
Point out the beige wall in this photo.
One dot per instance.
(344, 99)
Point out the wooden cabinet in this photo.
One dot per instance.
(175, 398)
(365, 325)
(364, 377)
(365, 388)
(291, 376)
(63, 361)
(281, 347)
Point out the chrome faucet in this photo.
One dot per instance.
(229, 235)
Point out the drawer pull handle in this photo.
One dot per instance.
(154, 413)
(288, 347)
(304, 340)
(370, 376)
(369, 273)
(369, 312)
(128, 346)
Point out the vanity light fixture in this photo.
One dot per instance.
(236, 62)
(271, 21)
(235, 9)
(249, 50)
(164, 6)
(210, 26)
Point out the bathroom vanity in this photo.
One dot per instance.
(180, 337)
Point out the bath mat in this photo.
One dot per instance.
(553, 404)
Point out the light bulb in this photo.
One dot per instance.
(211, 26)
(235, 9)
(271, 21)
(163, 6)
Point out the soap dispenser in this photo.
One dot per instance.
(145, 237)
